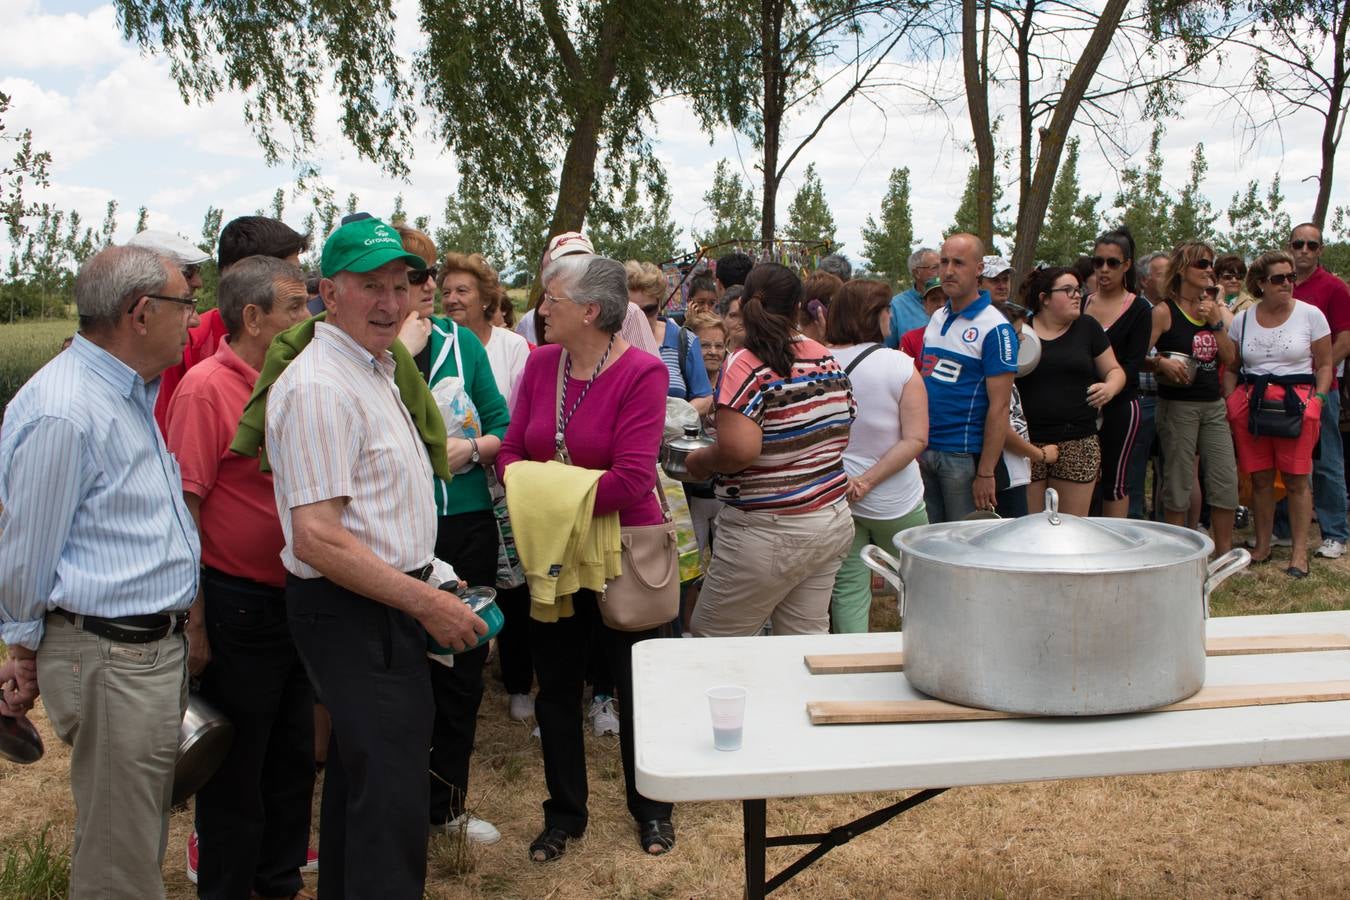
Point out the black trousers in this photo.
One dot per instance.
(513, 642)
(368, 665)
(559, 650)
(467, 541)
(252, 817)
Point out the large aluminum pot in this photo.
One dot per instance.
(204, 739)
(675, 451)
(1053, 614)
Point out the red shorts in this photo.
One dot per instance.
(1292, 456)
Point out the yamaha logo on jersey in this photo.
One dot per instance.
(970, 334)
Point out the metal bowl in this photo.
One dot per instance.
(204, 739)
(1191, 366)
(19, 740)
(482, 601)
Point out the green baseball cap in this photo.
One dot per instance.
(362, 246)
(931, 283)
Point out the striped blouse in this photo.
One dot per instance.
(94, 520)
(805, 419)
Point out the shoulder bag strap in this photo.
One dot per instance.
(848, 370)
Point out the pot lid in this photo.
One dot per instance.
(690, 441)
(1055, 542)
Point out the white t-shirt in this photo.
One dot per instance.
(1286, 350)
(1019, 467)
(878, 382)
(506, 352)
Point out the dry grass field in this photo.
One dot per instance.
(1260, 832)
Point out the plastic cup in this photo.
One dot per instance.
(726, 703)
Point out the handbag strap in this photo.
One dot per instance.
(848, 370)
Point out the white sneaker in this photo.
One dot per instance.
(475, 829)
(1330, 549)
(604, 714)
(522, 707)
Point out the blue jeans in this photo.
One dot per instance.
(1328, 479)
(947, 482)
(1138, 468)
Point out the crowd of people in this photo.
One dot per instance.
(280, 496)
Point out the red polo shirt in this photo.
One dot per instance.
(241, 534)
(912, 342)
(1329, 294)
(201, 345)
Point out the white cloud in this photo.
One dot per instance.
(32, 40)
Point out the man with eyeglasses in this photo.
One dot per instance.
(1320, 288)
(99, 563)
(907, 307)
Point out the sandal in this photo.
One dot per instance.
(656, 833)
(1295, 572)
(550, 845)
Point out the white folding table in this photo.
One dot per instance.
(784, 755)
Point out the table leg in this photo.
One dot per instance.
(753, 813)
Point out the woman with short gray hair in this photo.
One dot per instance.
(587, 399)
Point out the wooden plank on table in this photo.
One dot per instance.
(857, 712)
(856, 663)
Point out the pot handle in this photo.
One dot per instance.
(1230, 563)
(888, 567)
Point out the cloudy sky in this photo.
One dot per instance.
(117, 129)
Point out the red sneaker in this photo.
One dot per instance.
(311, 861)
(192, 857)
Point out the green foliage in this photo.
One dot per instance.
(887, 246)
(1256, 223)
(1145, 204)
(25, 347)
(731, 206)
(809, 216)
(469, 225)
(634, 229)
(1072, 221)
(1191, 216)
(529, 236)
(34, 870)
(968, 213)
(27, 168)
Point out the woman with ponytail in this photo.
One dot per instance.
(784, 407)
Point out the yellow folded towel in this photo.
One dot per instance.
(563, 546)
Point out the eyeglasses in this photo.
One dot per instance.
(1233, 274)
(420, 276)
(186, 302)
(716, 346)
(1280, 278)
(1107, 262)
(1211, 291)
(1299, 245)
(190, 272)
(550, 298)
(1072, 290)
(1202, 263)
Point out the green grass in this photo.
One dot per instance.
(34, 870)
(25, 347)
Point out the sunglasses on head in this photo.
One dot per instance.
(1280, 278)
(420, 276)
(1202, 263)
(1107, 262)
(1299, 245)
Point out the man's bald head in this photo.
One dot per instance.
(959, 266)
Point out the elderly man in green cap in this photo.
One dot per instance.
(353, 482)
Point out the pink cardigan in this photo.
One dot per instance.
(617, 428)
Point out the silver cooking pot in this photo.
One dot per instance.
(1052, 614)
(204, 739)
(675, 451)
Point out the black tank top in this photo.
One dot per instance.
(1198, 341)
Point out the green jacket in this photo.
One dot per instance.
(469, 490)
(286, 346)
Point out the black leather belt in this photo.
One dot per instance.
(423, 573)
(128, 629)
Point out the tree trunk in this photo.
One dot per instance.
(771, 50)
(977, 99)
(1032, 205)
(1024, 100)
(1334, 122)
(578, 172)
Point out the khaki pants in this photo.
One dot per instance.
(119, 707)
(767, 566)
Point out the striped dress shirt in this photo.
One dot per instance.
(93, 520)
(337, 428)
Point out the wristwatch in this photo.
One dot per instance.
(475, 457)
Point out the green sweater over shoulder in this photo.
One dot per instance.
(467, 491)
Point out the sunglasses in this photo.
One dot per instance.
(1211, 292)
(1280, 278)
(650, 309)
(420, 276)
(190, 272)
(1202, 263)
(1107, 262)
(189, 302)
(1231, 274)
(1299, 245)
